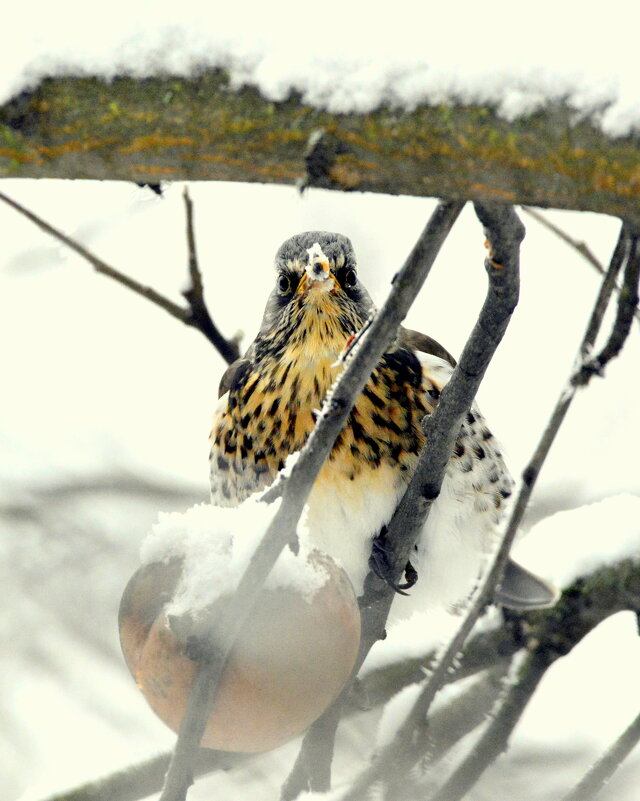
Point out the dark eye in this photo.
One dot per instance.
(350, 278)
(284, 283)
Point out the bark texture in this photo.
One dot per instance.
(170, 128)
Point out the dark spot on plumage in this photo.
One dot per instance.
(259, 456)
(257, 411)
(466, 467)
(286, 444)
(291, 425)
(259, 469)
(355, 451)
(274, 407)
(356, 428)
(295, 386)
(244, 422)
(396, 452)
(458, 449)
(277, 425)
(434, 392)
(404, 468)
(485, 434)
(280, 464)
(270, 449)
(384, 422)
(497, 501)
(494, 477)
(316, 385)
(249, 391)
(261, 426)
(233, 402)
(373, 446)
(271, 387)
(285, 373)
(243, 452)
(479, 451)
(229, 445)
(248, 442)
(339, 440)
(419, 404)
(222, 463)
(404, 363)
(470, 418)
(351, 476)
(505, 493)
(217, 439)
(376, 400)
(225, 490)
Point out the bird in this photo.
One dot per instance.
(267, 408)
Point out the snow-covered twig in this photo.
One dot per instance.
(194, 315)
(282, 529)
(600, 773)
(495, 737)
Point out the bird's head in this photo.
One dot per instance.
(317, 303)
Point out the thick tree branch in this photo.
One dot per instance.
(176, 128)
(194, 315)
(360, 362)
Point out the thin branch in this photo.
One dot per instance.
(282, 529)
(495, 737)
(191, 315)
(581, 247)
(194, 295)
(505, 231)
(600, 773)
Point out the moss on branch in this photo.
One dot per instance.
(168, 128)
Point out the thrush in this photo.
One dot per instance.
(268, 402)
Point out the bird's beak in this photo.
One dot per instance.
(317, 275)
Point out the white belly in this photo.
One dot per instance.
(342, 520)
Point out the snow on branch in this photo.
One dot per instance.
(205, 127)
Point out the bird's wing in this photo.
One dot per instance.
(421, 343)
(231, 373)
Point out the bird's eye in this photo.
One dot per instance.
(284, 283)
(350, 278)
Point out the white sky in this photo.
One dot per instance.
(584, 52)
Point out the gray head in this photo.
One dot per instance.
(317, 295)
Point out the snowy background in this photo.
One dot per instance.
(105, 412)
(106, 401)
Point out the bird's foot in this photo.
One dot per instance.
(380, 565)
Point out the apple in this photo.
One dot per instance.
(288, 664)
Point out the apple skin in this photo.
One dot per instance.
(289, 663)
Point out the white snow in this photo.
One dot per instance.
(395, 713)
(347, 57)
(575, 543)
(217, 545)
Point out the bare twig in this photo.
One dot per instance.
(600, 773)
(282, 529)
(495, 737)
(581, 247)
(194, 315)
(194, 295)
(505, 232)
